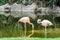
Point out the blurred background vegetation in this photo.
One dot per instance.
(47, 2)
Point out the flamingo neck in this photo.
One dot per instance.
(32, 30)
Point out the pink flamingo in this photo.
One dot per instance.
(27, 20)
(44, 23)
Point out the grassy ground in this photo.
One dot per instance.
(51, 33)
(29, 38)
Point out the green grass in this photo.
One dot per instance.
(29, 38)
(51, 33)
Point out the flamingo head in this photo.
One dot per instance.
(39, 21)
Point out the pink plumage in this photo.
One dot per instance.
(46, 23)
(24, 20)
(27, 20)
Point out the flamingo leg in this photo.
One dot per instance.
(32, 30)
(45, 32)
(25, 28)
